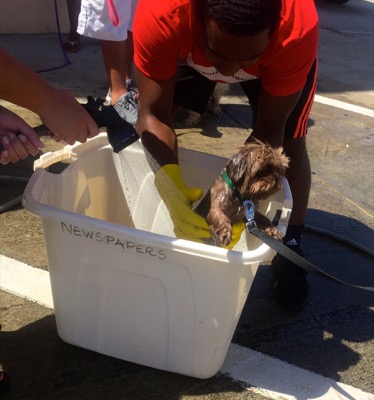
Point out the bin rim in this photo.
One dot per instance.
(46, 211)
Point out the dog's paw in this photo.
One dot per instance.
(193, 118)
(273, 232)
(214, 109)
(223, 235)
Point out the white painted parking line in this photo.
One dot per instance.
(257, 372)
(279, 380)
(344, 106)
(25, 281)
(368, 112)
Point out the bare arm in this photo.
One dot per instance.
(154, 118)
(57, 108)
(272, 114)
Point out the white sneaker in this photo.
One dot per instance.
(130, 87)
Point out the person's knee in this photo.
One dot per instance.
(296, 150)
(299, 166)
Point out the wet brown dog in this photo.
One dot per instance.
(254, 173)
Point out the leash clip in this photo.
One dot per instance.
(249, 211)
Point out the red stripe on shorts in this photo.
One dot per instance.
(302, 124)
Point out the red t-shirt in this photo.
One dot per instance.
(164, 31)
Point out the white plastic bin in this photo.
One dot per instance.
(140, 296)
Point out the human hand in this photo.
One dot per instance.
(17, 139)
(66, 118)
(178, 199)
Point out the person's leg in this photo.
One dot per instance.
(116, 45)
(116, 66)
(129, 60)
(117, 57)
(299, 178)
(298, 173)
(72, 42)
(290, 285)
(192, 90)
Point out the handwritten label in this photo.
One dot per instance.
(127, 245)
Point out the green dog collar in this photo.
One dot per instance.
(230, 183)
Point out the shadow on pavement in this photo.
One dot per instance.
(335, 313)
(41, 366)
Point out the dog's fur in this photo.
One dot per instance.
(213, 108)
(256, 172)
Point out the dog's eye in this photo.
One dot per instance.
(267, 172)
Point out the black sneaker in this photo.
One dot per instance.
(290, 286)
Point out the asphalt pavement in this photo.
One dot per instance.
(332, 338)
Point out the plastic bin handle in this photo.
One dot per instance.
(50, 158)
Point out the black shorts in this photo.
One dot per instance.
(193, 91)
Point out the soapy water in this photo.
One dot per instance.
(136, 170)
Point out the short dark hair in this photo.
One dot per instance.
(241, 17)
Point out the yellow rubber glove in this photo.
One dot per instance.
(178, 199)
(237, 230)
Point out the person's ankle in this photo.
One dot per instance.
(292, 238)
(116, 95)
(290, 286)
(74, 37)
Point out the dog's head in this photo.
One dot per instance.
(256, 170)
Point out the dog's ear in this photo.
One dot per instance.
(240, 165)
(262, 155)
(281, 161)
(267, 169)
(262, 187)
(256, 167)
(237, 168)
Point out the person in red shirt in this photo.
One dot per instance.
(182, 48)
